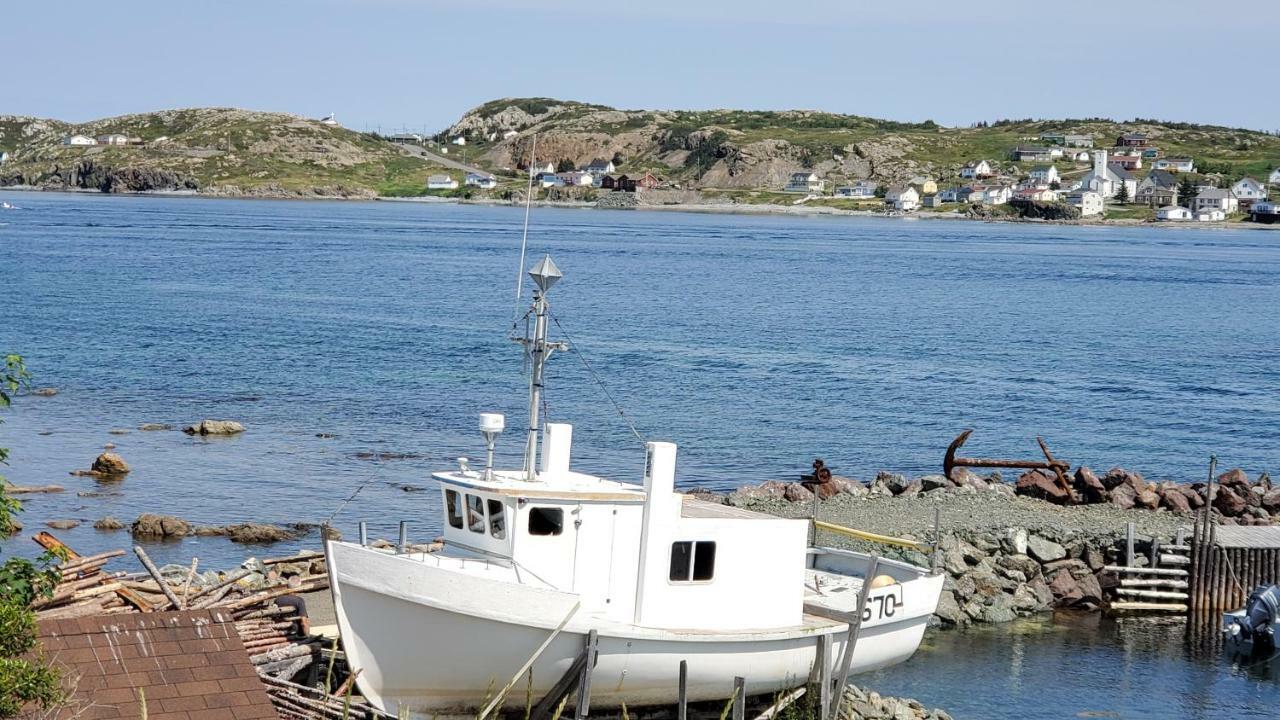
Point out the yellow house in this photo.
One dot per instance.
(927, 186)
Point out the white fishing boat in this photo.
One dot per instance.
(537, 558)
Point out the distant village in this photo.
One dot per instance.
(1112, 177)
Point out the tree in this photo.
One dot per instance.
(1186, 192)
(1055, 185)
(1122, 193)
(881, 191)
(22, 681)
(565, 165)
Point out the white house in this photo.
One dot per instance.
(113, 139)
(1265, 211)
(1045, 174)
(1176, 164)
(1040, 194)
(804, 182)
(902, 197)
(548, 168)
(976, 169)
(577, 178)
(78, 140)
(477, 180)
(934, 201)
(1275, 177)
(599, 167)
(1107, 178)
(1089, 201)
(1249, 191)
(460, 140)
(986, 194)
(4, 157)
(406, 138)
(509, 134)
(1210, 215)
(1079, 155)
(1173, 213)
(441, 182)
(329, 119)
(862, 190)
(547, 180)
(1212, 198)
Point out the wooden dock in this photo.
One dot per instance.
(1228, 562)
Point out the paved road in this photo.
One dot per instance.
(441, 159)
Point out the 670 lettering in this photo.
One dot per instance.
(882, 606)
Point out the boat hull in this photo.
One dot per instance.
(423, 650)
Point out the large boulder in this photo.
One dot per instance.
(847, 486)
(767, 490)
(1037, 484)
(935, 482)
(1148, 499)
(1089, 486)
(214, 427)
(1271, 501)
(108, 523)
(1117, 476)
(1044, 550)
(892, 482)
(152, 525)
(795, 492)
(1229, 502)
(1175, 500)
(1123, 497)
(258, 534)
(109, 464)
(948, 610)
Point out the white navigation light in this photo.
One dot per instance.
(491, 426)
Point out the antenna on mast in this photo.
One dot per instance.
(544, 274)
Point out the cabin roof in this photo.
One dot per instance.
(568, 485)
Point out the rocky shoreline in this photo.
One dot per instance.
(1007, 550)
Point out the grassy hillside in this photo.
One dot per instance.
(755, 149)
(218, 150)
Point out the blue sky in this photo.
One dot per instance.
(420, 63)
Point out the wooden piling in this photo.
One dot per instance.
(682, 696)
(739, 698)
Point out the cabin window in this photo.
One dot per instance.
(546, 521)
(497, 520)
(692, 561)
(475, 514)
(453, 504)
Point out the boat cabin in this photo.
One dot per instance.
(640, 554)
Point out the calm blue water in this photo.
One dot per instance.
(756, 343)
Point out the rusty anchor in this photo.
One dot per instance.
(1059, 468)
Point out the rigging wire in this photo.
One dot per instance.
(524, 238)
(375, 475)
(596, 378)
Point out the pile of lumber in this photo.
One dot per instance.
(272, 635)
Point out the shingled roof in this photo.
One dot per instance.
(190, 665)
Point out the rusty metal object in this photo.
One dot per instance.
(1059, 467)
(821, 475)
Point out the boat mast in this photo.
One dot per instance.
(544, 274)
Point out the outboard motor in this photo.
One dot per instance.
(1254, 629)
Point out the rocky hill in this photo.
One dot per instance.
(220, 151)
(758, 149)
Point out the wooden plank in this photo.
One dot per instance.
(1158, 607)
(824, 662)
(1171, 559)
(1152, 594)
(740, 697)
(1171, 572)
(592, 651)
(851, 641)
(529, 663)
(1155, 582)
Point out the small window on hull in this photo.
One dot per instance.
(453, 504)
(546, 521)
(475, 514)
(497, 520)
(692, 561)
